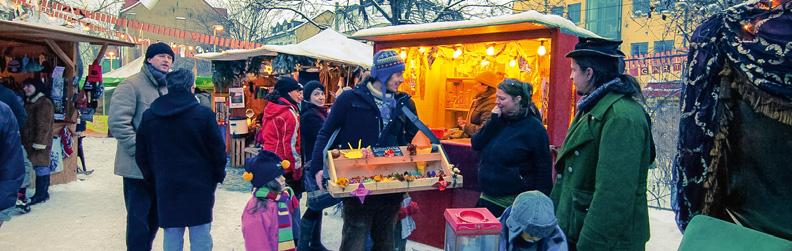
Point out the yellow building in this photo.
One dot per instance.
(646, 27)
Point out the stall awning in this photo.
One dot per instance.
(32, 32)
(525, 21)
(127, 70)
(327, 45)
(238, 54)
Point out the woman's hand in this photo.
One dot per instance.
(319, 180)
(461, 122)
(496, 110)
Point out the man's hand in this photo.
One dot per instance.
(319, 180)
(461, 122)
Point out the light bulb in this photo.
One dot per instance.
(86, 28)
(484, 62)
(490, 50)
(542, 50)
(421, 49)
(457, 53)
(403, 54)
(513, 63)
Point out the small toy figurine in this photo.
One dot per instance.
(441, 184)
(342, 182)
(412, 149)
(335, 153)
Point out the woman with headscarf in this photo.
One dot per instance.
(37, 135)
(280, 128)
(514, 149)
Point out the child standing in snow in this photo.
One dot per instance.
(270, 220)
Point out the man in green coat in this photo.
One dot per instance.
(600, 192)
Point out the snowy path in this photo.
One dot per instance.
(90, 215)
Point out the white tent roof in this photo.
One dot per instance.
(327, 45)
(531, 16)
(127, 70)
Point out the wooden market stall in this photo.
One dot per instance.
(243, 77)
(442, 60)
(50, 53)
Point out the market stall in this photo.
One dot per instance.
(242, 78)
(49, 53)
(442, 60)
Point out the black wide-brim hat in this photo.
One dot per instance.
(596, 47)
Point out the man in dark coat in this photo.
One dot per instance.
(14, 102)
(11, 167)
(371, 113)
(182, 155)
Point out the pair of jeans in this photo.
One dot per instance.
(28, 168)
(141, 214)
(200, 238)
(377, 216)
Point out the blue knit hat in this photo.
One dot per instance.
(532, 212)
(386, 63)
(263, 168)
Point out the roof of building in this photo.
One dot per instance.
(25, 31)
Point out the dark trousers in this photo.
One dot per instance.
(492, 207)
(376, 216)
(141, 214)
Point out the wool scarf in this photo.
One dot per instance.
(282, 200)
(157, 74)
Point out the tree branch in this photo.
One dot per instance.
(311, 21)
(383, 12)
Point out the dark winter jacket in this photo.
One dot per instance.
(37, 131)
(12, 168)
(514, 156)
(312, 117)
(13, 101)
(356, 114)
(181, 154)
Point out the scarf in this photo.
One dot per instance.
(157, 74)
(615, 85)
(282, 199)
(385, 102)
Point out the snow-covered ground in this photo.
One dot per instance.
(89, 215)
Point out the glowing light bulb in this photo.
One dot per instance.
(542, 50)
(421, 49)
(86, 28)
(457, 53)
(513, 63)
(403, 54)
(490, 50)
(484, 62)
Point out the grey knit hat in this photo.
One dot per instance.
(532, 212)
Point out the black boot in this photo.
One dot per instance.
(316, 237)
(42, 190)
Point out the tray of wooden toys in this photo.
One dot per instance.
(383, 170)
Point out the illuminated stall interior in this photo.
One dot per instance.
(441, 78)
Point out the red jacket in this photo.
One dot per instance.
(280, 133)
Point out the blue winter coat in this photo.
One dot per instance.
(182, 155)
(356, 115)
(12, 169)
(14, 102)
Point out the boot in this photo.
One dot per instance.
(316, 237)
(23, 203)
(42, 190)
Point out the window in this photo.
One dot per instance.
(573, 13)
(604, 17)
(662, 5)
(637, 49)
(640, 7)
(557, 10)
(663, 46)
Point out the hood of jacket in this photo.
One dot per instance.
(173, 103)
(276, 109)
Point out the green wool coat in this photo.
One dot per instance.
(600, 192)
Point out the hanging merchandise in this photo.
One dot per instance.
(57, 93)
(66, 141)
(93, 89)
(56, 156)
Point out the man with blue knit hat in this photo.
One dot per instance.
(371, 113)
(182, 157)
(130, 99)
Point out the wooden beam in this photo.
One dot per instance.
(58, 51)
(101, 54)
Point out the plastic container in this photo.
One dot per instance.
(471, 229)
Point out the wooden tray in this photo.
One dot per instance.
(348, 168)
